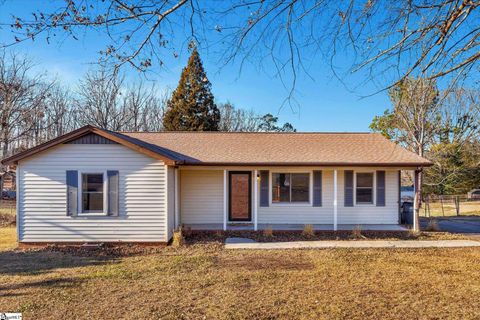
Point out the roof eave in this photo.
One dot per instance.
(314, 164)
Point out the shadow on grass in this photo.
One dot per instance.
(42, 261)
(33, 262)
(48, 283)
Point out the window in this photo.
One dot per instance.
(92, 192)
(290, 187)
(364, 190)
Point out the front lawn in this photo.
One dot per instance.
(205, 281)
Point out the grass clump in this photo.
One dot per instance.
(357, 232)
(268, 231)
(7, 220)
(308, 230)
(433, 225)
(178, 238)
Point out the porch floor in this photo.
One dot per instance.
(296, 227)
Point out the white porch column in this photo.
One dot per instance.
(255, 201)
(177, 199)
(225, 191)
(335, 200)
(416, 200)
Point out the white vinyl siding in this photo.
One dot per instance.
(42, 196)
(201, 196)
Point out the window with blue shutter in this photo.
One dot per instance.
(380, 188)
(264, 176)
(317, 188)
(72, 192)
(348, 185)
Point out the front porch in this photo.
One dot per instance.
(242, 199)
(295, 227)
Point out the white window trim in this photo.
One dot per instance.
(80, 193)
(374, 189)
(291, 204)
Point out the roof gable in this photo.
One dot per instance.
(91, 138)
(92, 135)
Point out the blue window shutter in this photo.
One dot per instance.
(380, 189)
(72, 193)
(348, 188)
(317, 188)
(112, 187)
(264, 200)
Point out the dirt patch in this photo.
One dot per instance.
(7, 220)
(261, 262)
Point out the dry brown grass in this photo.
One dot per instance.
(205, 281)
(178, 239)
(308, 231)
(432, 225)
(467, 208)
(268, 232)
(7, 217)
(357, 233)
(8, 238)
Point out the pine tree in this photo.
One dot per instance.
(192, 106)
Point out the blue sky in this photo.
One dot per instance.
(324, 104)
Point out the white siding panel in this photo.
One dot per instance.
(142, 196)
(201, 199)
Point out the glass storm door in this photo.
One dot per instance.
(240, 195)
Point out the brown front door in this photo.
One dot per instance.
(240, 198)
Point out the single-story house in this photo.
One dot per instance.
(95, 185)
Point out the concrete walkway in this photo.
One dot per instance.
(352, 244)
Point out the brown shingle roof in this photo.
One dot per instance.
(221, 148)
(210, 148)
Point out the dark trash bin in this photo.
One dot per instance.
(407, 213)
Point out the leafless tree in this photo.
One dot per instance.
(105, 100)
(391, 40)
(152, 116)
(137, 31)
(144, 107)
(459, 116)
(22, 96)
(233, 119)
(413, 121)
(101, 100)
